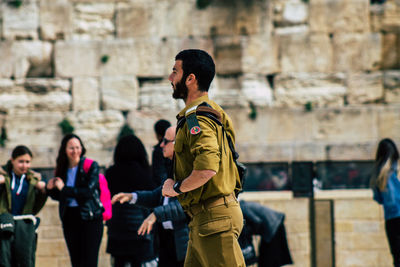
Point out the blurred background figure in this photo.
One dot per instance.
(21, 193)
(80, 207)
(168, 218)
(160, 164)
(386, 187)
(273, 248)
(130, 172)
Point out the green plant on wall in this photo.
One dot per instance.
(202, 4)
(308, 106)
(66, 127)
(104, 59)
(15, 3)
(3, 137)
(253, 111)
(125, 130)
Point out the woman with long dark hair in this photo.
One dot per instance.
(22, 194)
(131, 172)
(386, 186)
(80, 207)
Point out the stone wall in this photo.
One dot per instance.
(359, 229)
(321, 77)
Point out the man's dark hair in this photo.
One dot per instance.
(161, 126)
(200, 64)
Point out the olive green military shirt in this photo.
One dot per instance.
(206, 150)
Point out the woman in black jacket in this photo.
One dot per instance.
(80, 207)
(131, 171)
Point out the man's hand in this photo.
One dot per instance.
(121, 198)
(2, 179)
(147, 224)
(168, 188)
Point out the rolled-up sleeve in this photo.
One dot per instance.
(204, 147)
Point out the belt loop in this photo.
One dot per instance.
(226, 201)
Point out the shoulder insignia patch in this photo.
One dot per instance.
(195, 130)
(192, 122)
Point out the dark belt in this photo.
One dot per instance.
(209, 203)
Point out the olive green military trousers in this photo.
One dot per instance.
(213, 237)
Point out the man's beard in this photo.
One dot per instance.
(181, 91)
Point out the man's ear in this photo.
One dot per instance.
(190, 79)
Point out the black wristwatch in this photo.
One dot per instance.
(177, 186)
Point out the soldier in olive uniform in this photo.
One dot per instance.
(205, 176)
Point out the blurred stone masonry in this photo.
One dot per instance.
(320, 77)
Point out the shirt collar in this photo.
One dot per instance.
(196, 102)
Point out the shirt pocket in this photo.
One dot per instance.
(216, 226)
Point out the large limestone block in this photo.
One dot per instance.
(356, 124)
(8, 86)
(42, 86)
(305, 53)
(309, 151)
(391, 18)
(260, 54)
(364, 87)
(77, 58)
(228, 56)
(36, 95)
(119, 92)
(256, 89)
(32, 59)
(93, 21)
(20, 22)
(123, 57)
(288, 13)
(98, 129)
(232, 18)
(156, 94)
(180, 19)
(262, 152)
(226, 91)
(352, 258)
(141, 19)
(350, 151)
(335, 16)
(37, 130)
(356, 52)
(273, 126)
(356, 209)
(246, 54)
(298, 89)
(389, 122)
(391, 84)
(7, 59)
(85, 94)
(391, 51)
(55, 19)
